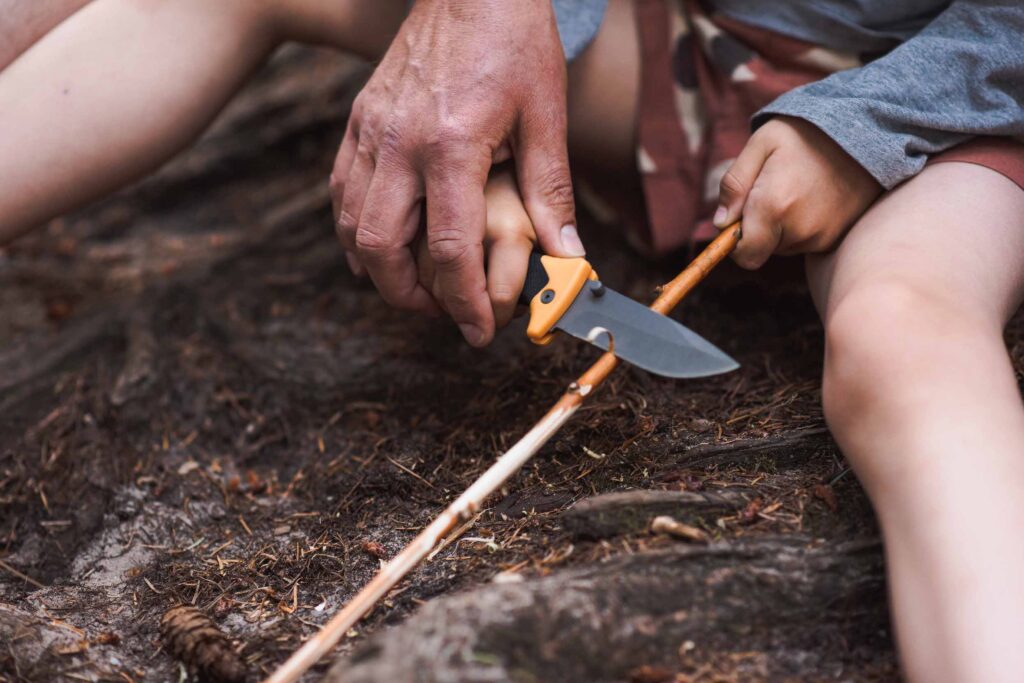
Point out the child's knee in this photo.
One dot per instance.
(884, 340)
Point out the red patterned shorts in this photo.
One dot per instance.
(703, 76)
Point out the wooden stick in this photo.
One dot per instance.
(466, 505)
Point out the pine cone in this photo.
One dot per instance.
(193, 638)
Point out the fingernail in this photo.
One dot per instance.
(720, 215)
(571, 241)
(473, 334)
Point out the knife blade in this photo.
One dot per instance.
(565, 294)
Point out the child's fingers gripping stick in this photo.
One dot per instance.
(510, 238)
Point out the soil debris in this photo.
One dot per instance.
(751, 511)
(651, 674)
(827, 495)
(193, 638)
(375, 549)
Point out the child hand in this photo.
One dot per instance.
(795, 189)
(509, 239)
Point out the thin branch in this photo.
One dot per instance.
(468, 504)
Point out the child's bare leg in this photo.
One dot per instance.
(921, 397)
(121, 85)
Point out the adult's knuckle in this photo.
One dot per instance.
(372, 239)
(369, 133)
(391, 136)
(447, 142)
(373, 121)
(449, 247)
(555, 186)
(458, 302)
(450, 132)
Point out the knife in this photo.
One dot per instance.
(565, 294)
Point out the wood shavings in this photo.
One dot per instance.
(669, 526)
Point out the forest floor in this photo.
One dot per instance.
(199, 405)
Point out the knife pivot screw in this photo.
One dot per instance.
(598, 289)
(547, 296)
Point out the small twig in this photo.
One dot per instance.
(24, 577)
(408, 471)
(453, 536)
(241, 520)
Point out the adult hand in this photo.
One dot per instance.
(509, 238)
(464, 85)
(796, 190)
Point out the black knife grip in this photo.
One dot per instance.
(536, 279)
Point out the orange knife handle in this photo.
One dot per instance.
(551, 286)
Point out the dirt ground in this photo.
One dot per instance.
(200, 406)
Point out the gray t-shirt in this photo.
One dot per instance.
(578, 21)
(947, 71)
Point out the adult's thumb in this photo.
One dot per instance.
(542, 167)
